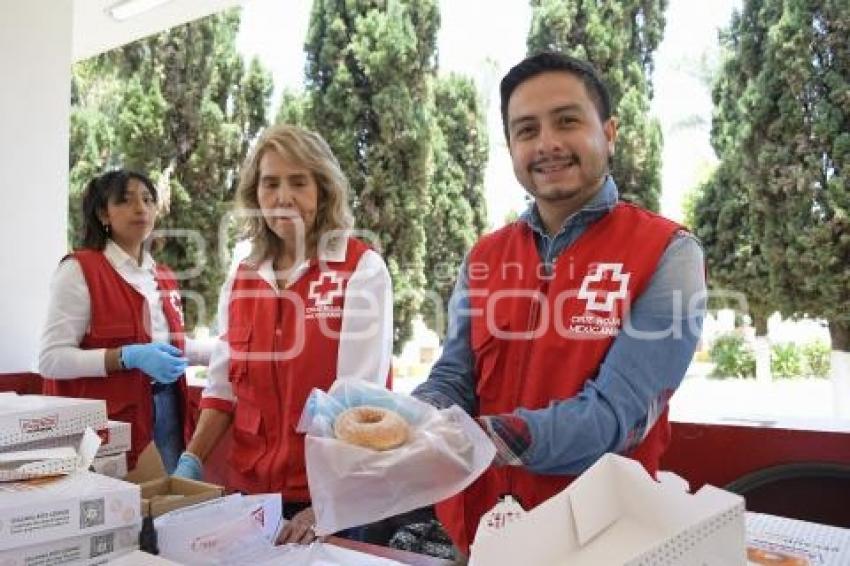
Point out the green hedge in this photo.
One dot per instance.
(786, 360)
(817, 356)
(734, 357)
(790, 360)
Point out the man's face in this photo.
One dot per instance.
(558, 144)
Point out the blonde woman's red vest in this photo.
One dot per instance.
(119, 316)
(537, 338)
(282, 345)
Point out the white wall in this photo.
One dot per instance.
(35, 75)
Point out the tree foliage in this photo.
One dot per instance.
(369, 90)
(781, 128)
(294, 109)
(619, 38)
(458, 211)
(722, 215)
(800, 143)
(183, 107)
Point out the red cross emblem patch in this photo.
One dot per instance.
(325, 289)
(603, 285)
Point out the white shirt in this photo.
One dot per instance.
(366, 339)
(69, 317)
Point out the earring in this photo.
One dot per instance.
(107, 228)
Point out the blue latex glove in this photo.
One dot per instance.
(163, 362)
(188, 466)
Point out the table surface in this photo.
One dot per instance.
(402, 556)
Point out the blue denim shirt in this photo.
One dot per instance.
(645, 364)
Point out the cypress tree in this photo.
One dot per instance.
(619, 38)
(458, 211)
(369, 74)
(183, 107)
(781, 128)
(798, 145)
(722, 214)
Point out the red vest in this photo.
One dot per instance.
(537, 338)
(282, 345)
(119, 317)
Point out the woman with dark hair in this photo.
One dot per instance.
(115, 324)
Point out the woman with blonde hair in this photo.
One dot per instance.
(309, 305)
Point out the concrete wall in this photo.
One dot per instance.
(35, 75)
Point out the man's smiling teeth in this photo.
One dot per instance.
(553, 167)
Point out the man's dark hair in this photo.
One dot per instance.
(548, 61)
(111, 186)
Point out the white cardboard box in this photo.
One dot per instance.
(115, 438)
(37, 511)
(114, 465)
(88, 549)
(45, 462)
(772, 537)
(614, 514)
(26, 418)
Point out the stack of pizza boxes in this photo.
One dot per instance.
(111, 457)
(53, 510)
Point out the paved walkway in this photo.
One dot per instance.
(699, 396)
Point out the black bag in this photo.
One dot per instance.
(424, 538)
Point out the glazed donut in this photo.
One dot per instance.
(773, 558)
(371, 427)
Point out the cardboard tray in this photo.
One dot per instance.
(616, 514)
(162, 493)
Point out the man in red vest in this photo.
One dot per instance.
(570, 328)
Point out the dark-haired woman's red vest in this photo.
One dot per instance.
(119, 316)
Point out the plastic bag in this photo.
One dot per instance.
(424, 538)
(351, 486)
